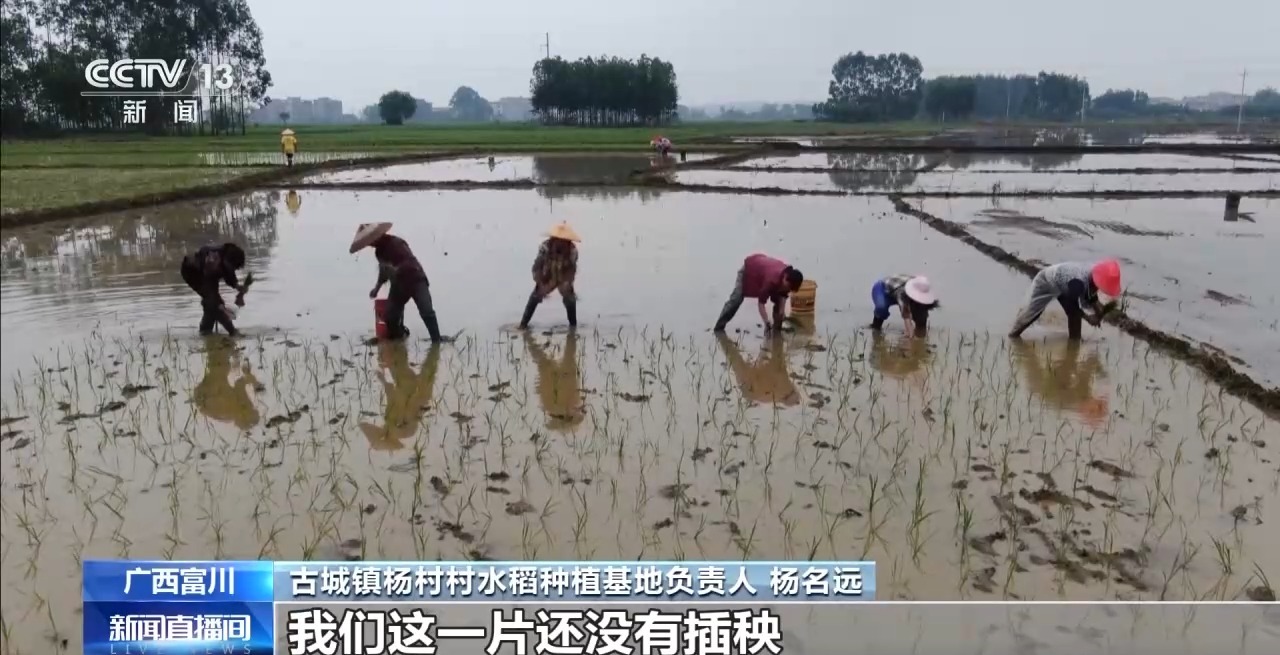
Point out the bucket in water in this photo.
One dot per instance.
(805, 298)
(379, 317)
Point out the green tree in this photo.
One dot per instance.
(950, 98)
(467, 105)
(873, 88)
(395, 107)
(47, 43)
(605, 91)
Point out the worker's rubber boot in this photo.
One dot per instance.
(529, 308)
(571, 309)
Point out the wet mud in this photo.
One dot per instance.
(1211, 363)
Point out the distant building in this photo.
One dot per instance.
(512, 109)
(423, 112)
(301, 111)
(327, 110)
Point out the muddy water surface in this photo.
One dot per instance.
(960, 181)
(969, 467)
(662, 259)
(543, 168)
(1187, 270)
(980, 161)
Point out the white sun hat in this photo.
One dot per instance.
(919, 290)
(367, 233)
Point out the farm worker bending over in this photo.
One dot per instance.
(555, 268)
(289, 144)
(911, 294)
(764, 278)
(203, 270)
(397, 264)
(1075, 285)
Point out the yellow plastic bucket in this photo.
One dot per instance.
(804, 298)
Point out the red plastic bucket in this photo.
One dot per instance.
(379, 317)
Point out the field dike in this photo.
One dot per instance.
(1216, 367)
(655, 180)
(243, 183)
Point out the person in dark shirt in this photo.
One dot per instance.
(203, 270)
(398, 265)
(766, 279)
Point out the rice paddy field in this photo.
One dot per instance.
(969, 466)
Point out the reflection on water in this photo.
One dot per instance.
(216, 396)
(293, 201)
(903, 358)
(1062, 375)
(121, 270)
(764, 380)
(406, 395)
(559, 381)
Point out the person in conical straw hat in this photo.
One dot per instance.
(913, 296)
(555, 268)
(398, 265)
(289, 144)
(1075, 285)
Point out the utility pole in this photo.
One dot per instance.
(548, 45)
(1240, 115)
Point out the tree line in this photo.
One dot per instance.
(889, 87)
(605, 91)
(45, 46)
(398, 107)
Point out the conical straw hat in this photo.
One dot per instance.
(563, 231)
(286, 132)
(367, 233)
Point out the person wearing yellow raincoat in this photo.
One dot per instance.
(289, 144)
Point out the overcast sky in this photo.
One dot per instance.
(756, 50)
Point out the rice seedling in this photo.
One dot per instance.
(638, 445)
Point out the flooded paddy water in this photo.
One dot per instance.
(968, 466)
(546, 168)
(1187, 271)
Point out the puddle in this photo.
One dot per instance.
(997, 162)
(1192, 272)
(642, 436)
(907, 181)
(575, 167)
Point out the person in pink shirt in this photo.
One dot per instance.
(766, 279)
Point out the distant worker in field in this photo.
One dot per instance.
(289, 144)
(911, 294)
(662, 144)
(398, 265)
(766, 279)
(203, 271)
(555, 268)
(1075, 286)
